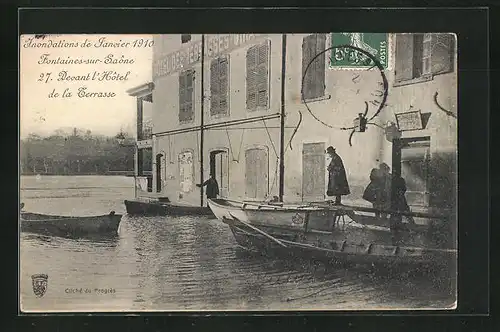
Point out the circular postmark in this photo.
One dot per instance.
(378, 95)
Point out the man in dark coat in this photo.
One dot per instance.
(212, 190)
(337, 178)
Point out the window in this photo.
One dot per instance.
(186, 87)
(258, 76)
(422, 55)
(185, 38)
(314, 80)
(219, 86)
(186, 171)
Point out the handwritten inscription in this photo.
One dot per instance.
(89, 74)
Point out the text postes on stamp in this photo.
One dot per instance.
(375, 44)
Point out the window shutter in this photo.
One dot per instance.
(252, 78)
(182, 95)
(189, 95)
(319, 73)
(306, 58)
(263, 77)
(223, 85)
(404, 57)
(314, 81)
(186, 80)
(442, 53)
(214, 87)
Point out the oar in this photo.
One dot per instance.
(259, 231)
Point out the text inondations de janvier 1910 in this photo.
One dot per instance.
(57, 72)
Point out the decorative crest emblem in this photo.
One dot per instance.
(40, 283)
(298, 219)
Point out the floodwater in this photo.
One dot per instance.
(188, 263)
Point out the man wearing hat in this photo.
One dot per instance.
(337, 178)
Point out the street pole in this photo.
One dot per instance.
(202, 131)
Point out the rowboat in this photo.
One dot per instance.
(336, 234)
(70, 225)
(161, 208)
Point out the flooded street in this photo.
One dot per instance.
(188, 263)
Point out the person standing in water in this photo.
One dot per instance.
(337, 178)
(212, 190)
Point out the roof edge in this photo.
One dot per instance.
(141, 90)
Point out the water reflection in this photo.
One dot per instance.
(105, 240)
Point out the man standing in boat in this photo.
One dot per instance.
(337, 178)
(212, 190)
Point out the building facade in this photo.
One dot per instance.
(222, 115)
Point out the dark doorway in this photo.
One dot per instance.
(159, 179)
(411, 160)
(219, 166)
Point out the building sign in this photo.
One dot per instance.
(190, 53)
(374, 43)
(409, 120)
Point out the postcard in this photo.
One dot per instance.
(238, 172)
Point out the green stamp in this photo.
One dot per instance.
(345, 57)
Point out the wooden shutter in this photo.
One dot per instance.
(319, 73)
(186, 87)
(256, 173)
(404, 57)
(214, 87)
(442, 53)
(219, 72)
(250, 174)
(314, 80)
(223, 85)
(263, 75)
(308, 79)
(313, 171)
(182, 96)
(252, 78)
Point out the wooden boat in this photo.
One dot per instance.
(335, 233)
(70, 225)
(164, 208)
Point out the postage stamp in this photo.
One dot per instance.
(376, 44)
(231, 172)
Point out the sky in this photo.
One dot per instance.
(43, 115)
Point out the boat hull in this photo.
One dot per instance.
(143, 208)
(332, 239)
(70, 226)
(335, 252)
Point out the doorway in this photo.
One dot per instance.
(313, 172)
(158, 168)
(219, 166)
(256, 173)
(411, 159)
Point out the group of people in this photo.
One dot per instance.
(378, 192)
